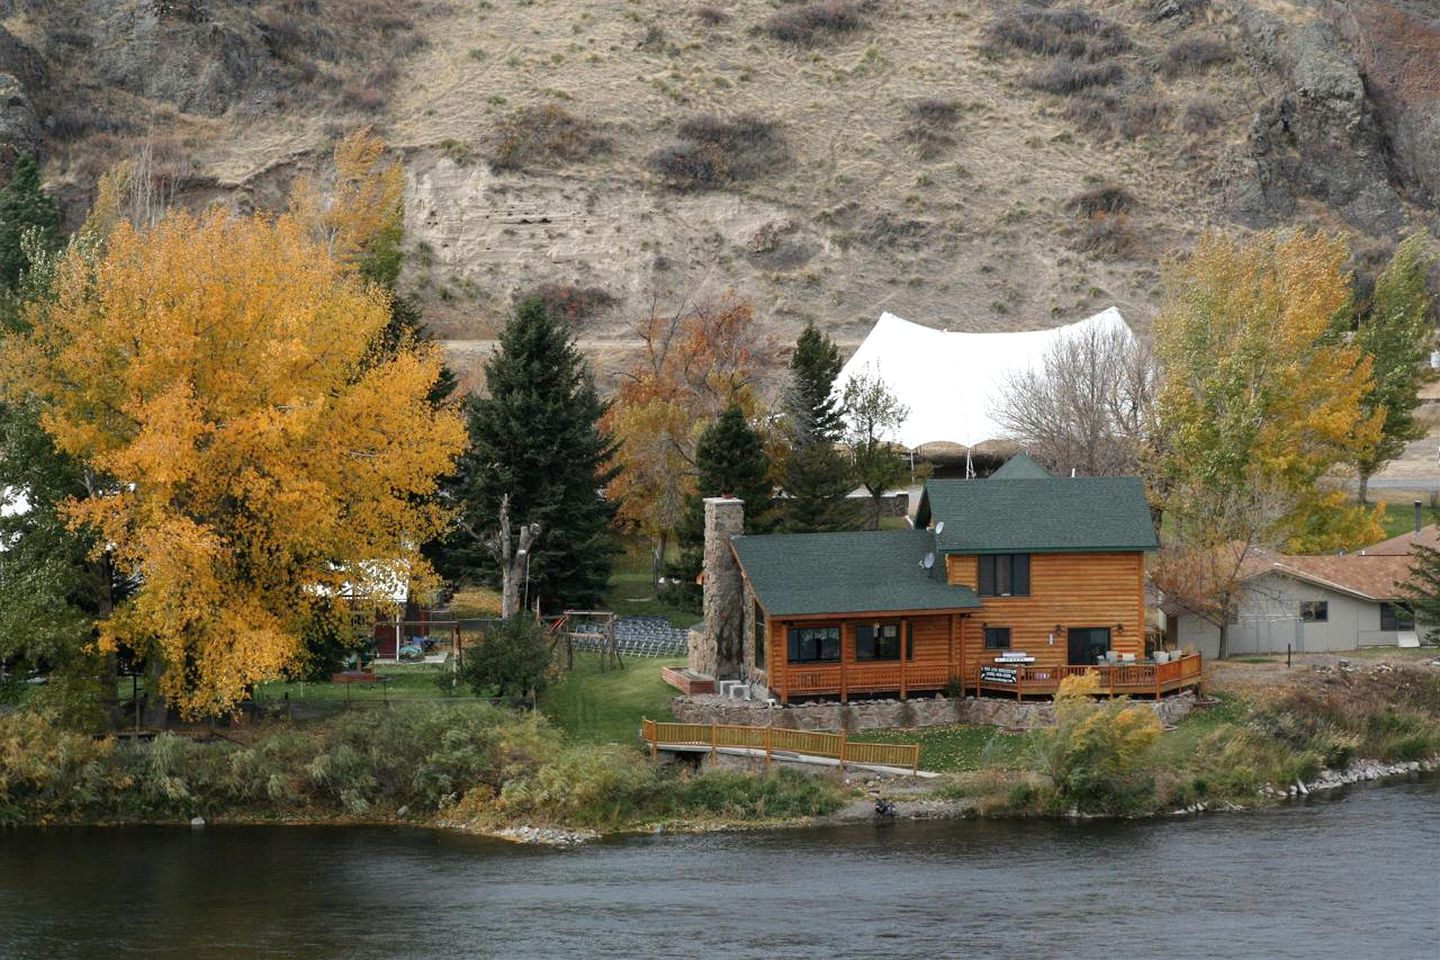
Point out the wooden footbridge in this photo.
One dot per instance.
(775, 743)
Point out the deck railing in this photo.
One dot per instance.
(1115, 678)
(660, 734)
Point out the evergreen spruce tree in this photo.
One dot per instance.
(730, 460)
(1423, 590)
(25, 207)
(1392, 332)
(535, 437)
(814, 366)
(815, 475)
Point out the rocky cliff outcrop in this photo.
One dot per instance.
(1317, 135)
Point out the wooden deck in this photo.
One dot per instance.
(1123, 679)
(774, 743)
(1019, 680)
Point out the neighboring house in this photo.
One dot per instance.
(1011, 579)
(1312, 604)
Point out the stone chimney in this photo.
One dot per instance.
(719, 653)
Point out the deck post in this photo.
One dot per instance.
(769, 744)
(1019, 682)
(714, 742)
(904, 649)
(1157, 681)
(842, 752)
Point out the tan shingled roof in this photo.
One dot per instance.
(1369, 577)
(1400, 546)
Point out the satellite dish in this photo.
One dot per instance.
(929, 561)
(940, 528)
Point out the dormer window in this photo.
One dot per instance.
(1005, 575)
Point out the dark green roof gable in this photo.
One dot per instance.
(1059, 514)
(1021, 467)
(810, 574)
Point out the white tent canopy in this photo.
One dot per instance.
(953, 382)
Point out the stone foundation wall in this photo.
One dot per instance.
(884, 714)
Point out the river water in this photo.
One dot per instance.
(1355, 877)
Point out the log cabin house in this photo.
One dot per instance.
(1002, 586)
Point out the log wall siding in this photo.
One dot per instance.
(1068, 589)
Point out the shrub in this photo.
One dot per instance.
(1107, 234)
(541, 134)
(810, 23)
(932, 122)
(1099, 758)
(1108, 114)
(571, 302)
(1193, 53)
(1104, 198)
(1073, 34)
(711, 15)
(714, 152)
(1072, 76)
(512, 659)
(1201, 115)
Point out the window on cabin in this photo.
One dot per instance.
(997, 638)
(1314, 611)
(814, 644)
(1005, 575)
(877, 641)
(1396, 616)
(759, 637)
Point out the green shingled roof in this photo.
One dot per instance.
(803, 574)
(1021, 467)
(997, 515)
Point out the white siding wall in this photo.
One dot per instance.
(1270, 619)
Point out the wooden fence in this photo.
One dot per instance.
(774, 741)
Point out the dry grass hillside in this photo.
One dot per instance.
(978, 165)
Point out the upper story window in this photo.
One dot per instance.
(814, 644)
(1005, 575)
(1314, 611)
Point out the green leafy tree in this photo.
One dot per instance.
(25, 208)
(1393, 330)
(52, 585)
(730, 460)
(535, 437)
(873, 413)
(1423, 590)
(512, 660)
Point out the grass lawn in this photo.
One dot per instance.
(1399, 517)
(606, 707)
(957, 748)
(631, 591)
(407, 681)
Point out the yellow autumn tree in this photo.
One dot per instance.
(362, 219)
(254, 455)
(1261, 393)
(695, 363)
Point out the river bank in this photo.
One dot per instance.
(495, 772)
